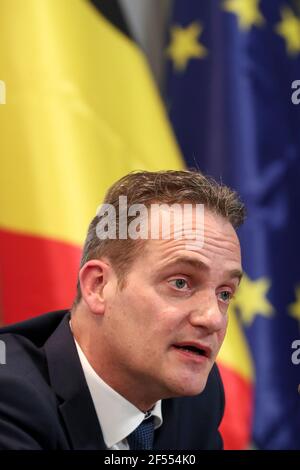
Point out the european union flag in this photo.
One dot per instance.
(233, 94)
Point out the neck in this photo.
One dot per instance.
(134, 389)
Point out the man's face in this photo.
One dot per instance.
(164, 329)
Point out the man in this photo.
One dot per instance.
(132, 365)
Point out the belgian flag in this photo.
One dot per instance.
(81, 111)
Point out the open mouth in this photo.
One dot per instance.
(193, 349)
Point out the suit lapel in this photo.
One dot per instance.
(68, 382)
(167, 436)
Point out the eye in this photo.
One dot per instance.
(179, 283)
(225, 296)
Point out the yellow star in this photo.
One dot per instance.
(247, 11)
(289, 29)
(294, 309)
(185, 46)
(251, 299)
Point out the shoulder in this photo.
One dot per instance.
(200, 416)
(23, 343)
(28, 408)
(214, 390)
(210, 402)
(38, 329)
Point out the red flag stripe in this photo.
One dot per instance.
(236, 425)
(47, 268)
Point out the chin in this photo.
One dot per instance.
(196, 390)
(188, 388)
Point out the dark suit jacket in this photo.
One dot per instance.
(45, 402)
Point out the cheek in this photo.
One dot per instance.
(222, 332)
(144, 315)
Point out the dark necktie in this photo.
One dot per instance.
(142, 437)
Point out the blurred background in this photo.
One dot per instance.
(91, 90)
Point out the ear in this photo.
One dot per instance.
(93, 277)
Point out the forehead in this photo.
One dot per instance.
(209, 236)
(186, 221)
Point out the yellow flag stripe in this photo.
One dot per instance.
(235, 353)
(81, 111)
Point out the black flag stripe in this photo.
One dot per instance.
(112, 11)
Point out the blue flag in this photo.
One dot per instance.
(233, 95)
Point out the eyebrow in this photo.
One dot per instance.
(200, 265)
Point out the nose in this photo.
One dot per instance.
(207, 314)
